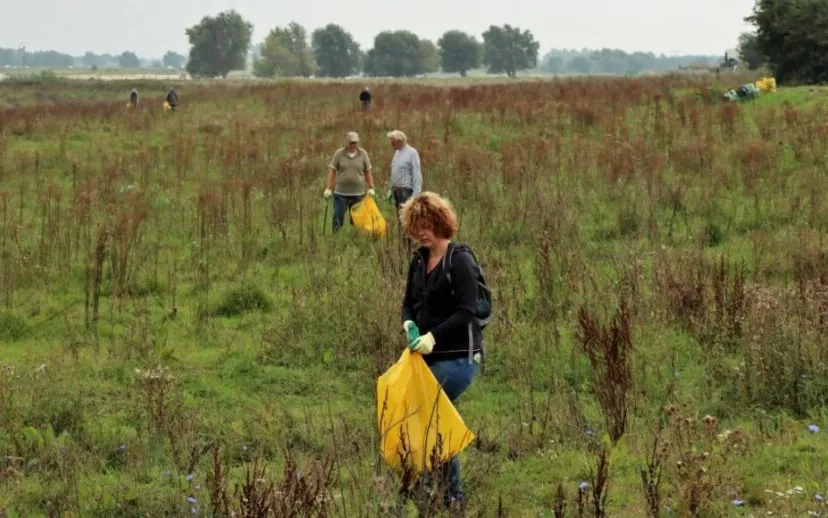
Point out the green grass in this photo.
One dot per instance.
(229, 314)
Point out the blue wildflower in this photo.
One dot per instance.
(191, 499)
(813, 428)
(583, 486)
(190, 477)
(819, 498)
(737, 502)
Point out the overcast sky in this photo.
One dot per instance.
(151, 27)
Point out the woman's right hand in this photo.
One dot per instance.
(411, 331)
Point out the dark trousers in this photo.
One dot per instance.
(400, 196)
(341, 205)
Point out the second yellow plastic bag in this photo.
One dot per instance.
(368, 218)
(418, 424)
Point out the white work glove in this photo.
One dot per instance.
(424, 344)
(372, 193)
(327, 194)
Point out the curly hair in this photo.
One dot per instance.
(429, 210)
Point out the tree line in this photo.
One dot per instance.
(618, 62)
(53, 59)
(220, 44)
(787, 40)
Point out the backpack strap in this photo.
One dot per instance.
(447, 271)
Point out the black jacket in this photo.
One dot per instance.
(428, 302)
(365, 96)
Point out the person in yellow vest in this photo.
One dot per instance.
(350, 178)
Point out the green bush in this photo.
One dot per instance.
(244, 300)
(12, 327)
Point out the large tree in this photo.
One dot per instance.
(459, 52)
(219, 44)
(429, 57)
(507, 50)
(173, 59)
(286, 53)
(792, 35)
(129, 60)
(337, 53)
(395, 54)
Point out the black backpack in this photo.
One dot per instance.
(483, 314)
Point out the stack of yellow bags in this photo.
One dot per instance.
(766, 84)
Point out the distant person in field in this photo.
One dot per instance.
(172, 99)
(133, 99)
(350, 178)
(365, 98)
(406, 176)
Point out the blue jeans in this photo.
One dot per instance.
(341, 205)
(454, 376)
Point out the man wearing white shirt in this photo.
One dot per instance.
(406, 176)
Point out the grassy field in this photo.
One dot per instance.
(181, 334)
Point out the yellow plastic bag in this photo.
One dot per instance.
(418, 424)
(368, 218)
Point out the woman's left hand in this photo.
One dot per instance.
(423, 344)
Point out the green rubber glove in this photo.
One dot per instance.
(411, 331)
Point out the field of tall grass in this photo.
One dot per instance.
(181, 334)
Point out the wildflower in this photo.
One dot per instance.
(194, 511)
(191, 499)
(737, 502)
(122, 447)
(813, 428)
(583, 486)
(819, 498)
(190, 477)
(589, 432)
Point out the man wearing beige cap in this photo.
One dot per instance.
(349, 177)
